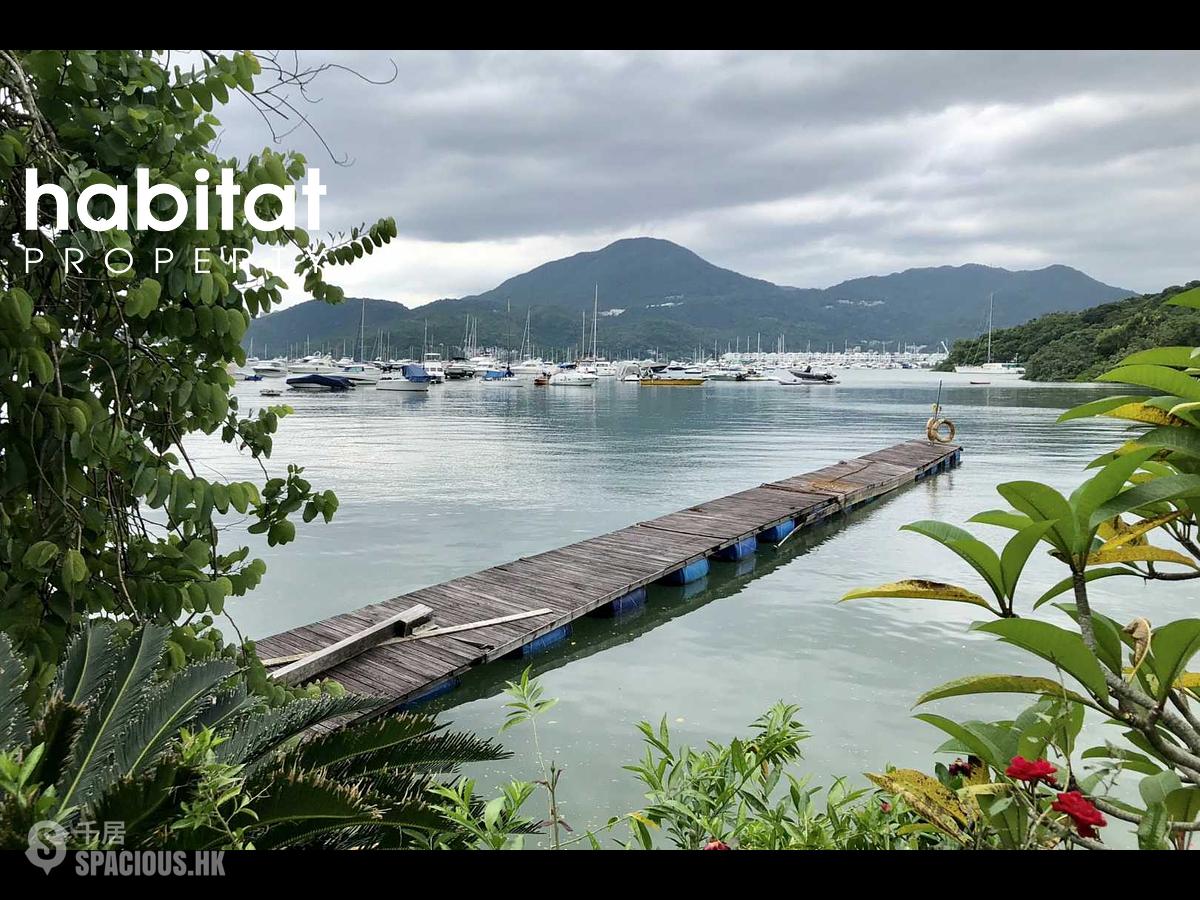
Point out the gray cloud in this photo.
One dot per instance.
(804, 168)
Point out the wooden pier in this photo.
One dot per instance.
(416, 646)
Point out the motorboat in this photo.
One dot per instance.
(314, 365)
(272, 368)
(570, 376)
(409, 377)
(459, 367)
(670, 381)
(993, 369)
(808, 376)
(314, 381)
(434, 367)
(361, 373)
(530, 367)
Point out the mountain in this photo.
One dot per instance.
(1078, 346)
(656, 294)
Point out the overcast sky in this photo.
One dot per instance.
(803, 168)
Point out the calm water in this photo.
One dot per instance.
(472, 475)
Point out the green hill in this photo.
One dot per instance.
(1078, 346)
(656, 294)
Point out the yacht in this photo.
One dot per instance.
(434, 368)
(530, 367)
(361, 373)
(459, 367)
(570, 376)
(314, 365)
(272, 368)
(409, 377)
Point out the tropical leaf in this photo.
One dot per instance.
(1122, 534)
(88, 664)
(1145, 553)
(1101, 488)
(994, 744)
(1068, 583)
(14, 716)
(1173, 438)
(1044, 504)
(1179, 357)
(311, 797)
(1145, 413)
(1128, 759)
(1002, 518)
(1168, 487)
(165, 710)
(1109, 636)
(1160, 378)
(929, 798)
(1016, 554)
(92, 759)
(916, 589)
(1100, 407)
(1172, 646)
(1065, 649)
(255, 735)
(973, 551)
(1000, 684)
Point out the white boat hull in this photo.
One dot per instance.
(401, 384)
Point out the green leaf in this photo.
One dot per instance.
(1065, 649)
(1044, 504)
(1002, 518)
(975, 552)
(1101, 406)
(1178, 357)
(1171, 648)
(970, 735)
(1016, 554)
(1000, 684)
(1090, 575)
(1167, 487)
(1172, 437)
(1160, 378)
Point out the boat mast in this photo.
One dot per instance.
(362, 334)
(991, 298)
(595, 315)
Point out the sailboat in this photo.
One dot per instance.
(989, 367)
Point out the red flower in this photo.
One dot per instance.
(1034, 771)
(885, 806)
(716, 845)
(1085, 816)
(958, 767)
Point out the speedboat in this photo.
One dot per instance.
(460, 367)
(314, 365)
(361, 373)
(317, 382)
(409, 377)
(808, 376)
(273, 368)
(569, 376)
(529, 367)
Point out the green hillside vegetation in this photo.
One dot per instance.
(1079, 346)
(659, 295)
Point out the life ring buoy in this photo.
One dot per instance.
(940, 431)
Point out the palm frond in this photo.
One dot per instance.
(167, 708)
(14, 715)
(88, 663)
(92, 768)
(254, 736)
(227, 705)
(56, 729)
(147, 804)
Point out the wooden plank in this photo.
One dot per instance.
(317, 662)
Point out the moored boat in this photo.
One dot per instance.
(314, 381)
(409, 377)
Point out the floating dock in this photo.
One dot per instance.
(416, 646)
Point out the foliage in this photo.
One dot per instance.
(1134, 675)
(107, 372)
(1078, 346)
(191, 759)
